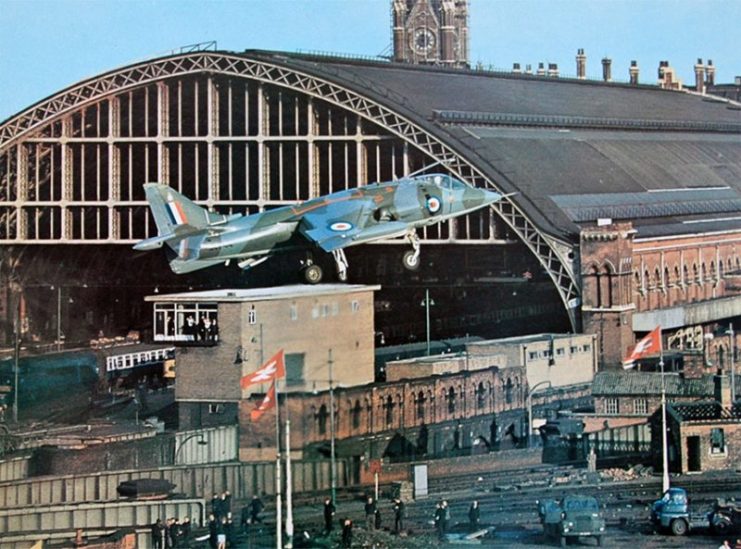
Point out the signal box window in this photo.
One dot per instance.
(186, 323)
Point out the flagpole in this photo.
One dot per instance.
(278, 484)
(664, 453)
(289, 488)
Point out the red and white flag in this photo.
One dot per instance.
(649, 345)
(267, 403)
(273, 369)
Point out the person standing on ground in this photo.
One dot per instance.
(439, 512)
(474, 514)
(446, 517)
(370, 513)
(158, 534)
(256, 507)
(346, 533)
(213, 531)
(398, 515)
(329, 512)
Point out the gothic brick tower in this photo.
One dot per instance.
(431, 31)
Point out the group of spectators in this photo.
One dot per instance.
(206, 329)
(222, 531)
(442, 517)
(171, 534)
(373, 514)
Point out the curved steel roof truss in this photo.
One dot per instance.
(66, 101)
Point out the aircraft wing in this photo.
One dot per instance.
(341, 224)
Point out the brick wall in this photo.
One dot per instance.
(723, 461)
(441, 468)
(390, 407)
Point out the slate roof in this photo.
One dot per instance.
(710, 410)
(649, 384)
(553, 137)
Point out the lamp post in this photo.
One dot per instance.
(664, 449)
(530, 409)
(201, 441)
(426, 304)
(733, 363)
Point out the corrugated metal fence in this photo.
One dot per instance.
(14, 468)
(241, 479)
(210, 445)
(97, 515)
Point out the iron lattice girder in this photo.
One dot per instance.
(93, 90)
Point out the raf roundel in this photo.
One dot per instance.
(433, 204)
(340, 226)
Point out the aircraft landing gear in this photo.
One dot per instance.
(313, 274)
(411, 259)
(341, 262)
(311, 271)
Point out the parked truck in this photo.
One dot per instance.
(573, 517)
(672, 513)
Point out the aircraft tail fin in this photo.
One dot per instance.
(174, 213)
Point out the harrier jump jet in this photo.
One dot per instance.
(330, 223)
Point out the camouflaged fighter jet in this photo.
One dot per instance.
(201, 238)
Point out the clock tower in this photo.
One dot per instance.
(431, 32)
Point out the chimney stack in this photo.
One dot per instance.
(516, 68)
(528, 69)
(581, 64)
(541, 70)
(607, 69)
(699, 77)
(633, 73)
(710, 73)
(723, 391)
(553, 70)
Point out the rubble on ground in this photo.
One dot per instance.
(616, 474)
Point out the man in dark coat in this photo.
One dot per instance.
(474, 514)
(370, 513)
(439, 514)
(346, 533)
(213, 531)
(398, 515)
(158, 535)
(329, 512)
(256, 507)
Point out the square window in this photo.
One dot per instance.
(612, 406)
(215, 408)
(640, 406)
(717, 441)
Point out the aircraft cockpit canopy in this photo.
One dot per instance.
(446, 181)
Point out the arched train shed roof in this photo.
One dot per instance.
(573, 150)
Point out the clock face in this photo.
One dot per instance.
(423, 41)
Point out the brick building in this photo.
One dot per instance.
(560, 360)
(705, 436)
(639, 393)
(461, 412)
(310, 323)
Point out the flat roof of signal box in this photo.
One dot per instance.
(265, 294)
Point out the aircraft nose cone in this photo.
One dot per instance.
(476, 198)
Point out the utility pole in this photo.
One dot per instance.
(733, 363)
(333, 461)
(16, 357)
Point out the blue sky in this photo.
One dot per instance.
(47, 45)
